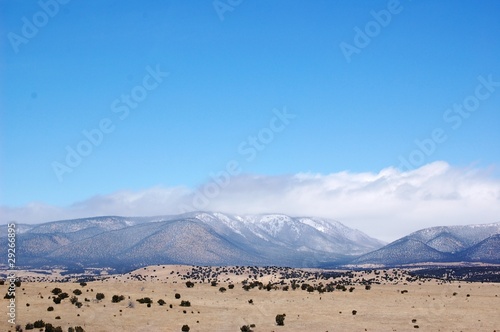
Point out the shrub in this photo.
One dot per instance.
(222, 289)
(354, 312)
(214, 283)
(231, 286)
(250, 301)
(185, 328)
(368, 287)
(7, 296)
(189, 284)
(49, 327)
(280, 319)
(161, 302)
(39, 323)
(177, 296)
(83, 284)
(351, 289)
(79, 329)
(117, 298)
(145, 300)
(50, 309)
(56, 300)
(185, 304)
(63, 296)
(29, 326)
(77, 292)
(245, 328)
(73, 299)
(70, 329)
(56, 291)
(99, 296)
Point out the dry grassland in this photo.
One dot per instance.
(428, 305)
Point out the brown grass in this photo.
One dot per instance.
(383, 308)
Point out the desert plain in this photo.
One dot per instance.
(235, 298)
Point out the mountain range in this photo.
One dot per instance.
(471, 243)
(198, 238)
(211, 238)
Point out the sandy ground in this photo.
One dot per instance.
(430, 305)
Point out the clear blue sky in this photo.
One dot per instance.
(225, 78)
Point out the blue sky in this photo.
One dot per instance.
(227, 72)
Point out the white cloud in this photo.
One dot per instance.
(385, 205)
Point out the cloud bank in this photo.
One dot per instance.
(386, 205)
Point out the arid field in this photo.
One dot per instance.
(382, 300)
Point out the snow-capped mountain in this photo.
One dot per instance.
(202, 238)
(470, 243)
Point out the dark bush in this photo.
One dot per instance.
(79, 329)
(222, 289)
(29, 326)
(189, 284)
(185, 304)
(7, 296)
(368, 287)
(83, 284)
(50, 309)
(185, 328)
(280, 319)
(145, 300)
(231, 286)
(77, 292)
(63, 296)
(245, 328)
(214, 283)
(354, 312)
(56, 300)
(177, 295)
(56, 291)
(39, 323)
(161, 302)
(73, 299)
(99, 296)
(117, 298)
